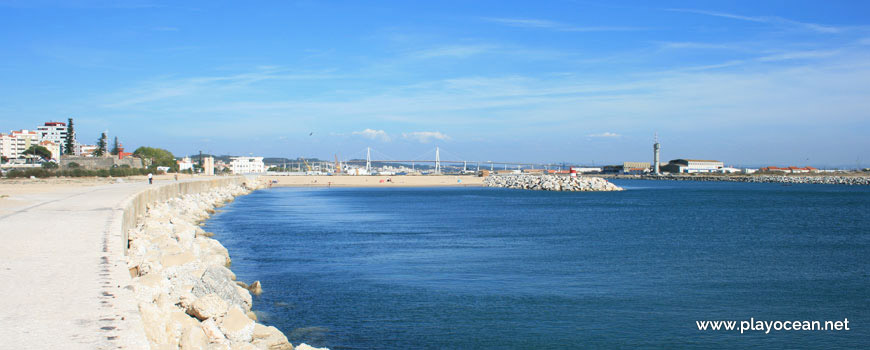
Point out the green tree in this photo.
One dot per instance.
(40, 151)
(101, 146)
(158, 157)
(3, 159)
(49, 165)
(116, 147)
(70, 147)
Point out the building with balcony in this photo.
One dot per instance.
(247, 165)
(54, 132)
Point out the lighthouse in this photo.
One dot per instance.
(656, 148)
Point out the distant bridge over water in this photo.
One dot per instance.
(365, 158)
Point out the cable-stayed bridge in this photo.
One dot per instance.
(369, 156)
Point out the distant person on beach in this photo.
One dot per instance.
(176, 176)
(150, 178)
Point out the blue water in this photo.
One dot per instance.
(482, 268)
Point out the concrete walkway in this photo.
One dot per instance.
(63, 273)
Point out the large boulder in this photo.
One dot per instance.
(149, 287)
(216, 280)
(208, 306)
(270, 338)
(213, 332)
(237, 326)
(193, 339)
(154, 322)
(243, 346)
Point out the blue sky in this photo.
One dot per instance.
(745, 82)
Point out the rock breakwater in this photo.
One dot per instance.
(824, 180)
(187, 296)
(551, 183)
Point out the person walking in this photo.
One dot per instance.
(150, 178)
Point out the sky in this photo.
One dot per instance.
(749, 83)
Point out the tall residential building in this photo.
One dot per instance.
(208, 166)
(12, 145)
(8, 146)
(247, 165)
(54, 132)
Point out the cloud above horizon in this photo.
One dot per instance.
(605, 134)
(373, 134)
(425, 136)
(556, 26)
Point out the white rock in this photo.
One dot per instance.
(237, 326)
(213, 332)
(208, 306)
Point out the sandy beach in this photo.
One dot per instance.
(375, 181)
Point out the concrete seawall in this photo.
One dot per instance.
(134, 208)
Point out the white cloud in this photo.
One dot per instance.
(696, 45)
(456, 51)
(766, 19)
(373, 134)
(545, 24)
(605, 134)
(425, 136)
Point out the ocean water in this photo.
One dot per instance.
(483, 268)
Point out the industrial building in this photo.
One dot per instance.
(691, 166)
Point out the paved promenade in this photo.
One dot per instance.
(63, 273)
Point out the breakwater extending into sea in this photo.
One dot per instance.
(786, 179)
(551, 183)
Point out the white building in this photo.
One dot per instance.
(185, 164)
(247, 165)
(8, 146)
(12, 145)
(52, 147)
(208, 166)
(585, 170)
(85, 150)
(54, 132)
(693, 166)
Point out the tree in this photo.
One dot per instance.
(49, 165)
(3, 159)
(70, 147)
(39, 151)
(101, 146)
(116, 147)
(158, 157)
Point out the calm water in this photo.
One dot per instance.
(481, 268)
